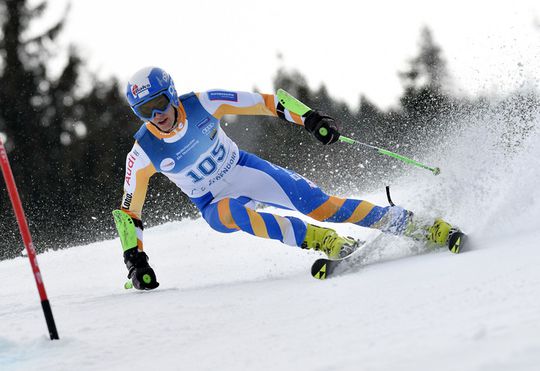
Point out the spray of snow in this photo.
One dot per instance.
(490, 171)
(237, 302)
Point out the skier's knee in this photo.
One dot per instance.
(219, 217)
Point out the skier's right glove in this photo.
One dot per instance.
(139, 271)
(322, 126)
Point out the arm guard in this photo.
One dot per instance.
(127, 229)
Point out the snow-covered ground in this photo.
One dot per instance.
(235, 302)
(232, 302)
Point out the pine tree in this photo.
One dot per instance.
(425, 99)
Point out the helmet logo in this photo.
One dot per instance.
(140, 89)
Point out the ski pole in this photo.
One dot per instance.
(294, 105)
(27, 240)
(382, 151)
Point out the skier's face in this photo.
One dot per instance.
(165, 121)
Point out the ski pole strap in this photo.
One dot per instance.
(126, 229)
(388, 196)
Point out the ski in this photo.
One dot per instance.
(457, 241)
(324, 268)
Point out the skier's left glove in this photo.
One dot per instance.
(322, 126)
(139, 271)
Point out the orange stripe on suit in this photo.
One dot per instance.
(327, 208)
(225, 215)
(257, 223)
(270, 103)
(297, 119)
(360, 212)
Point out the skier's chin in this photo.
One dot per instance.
(173, 126)
(162, 126)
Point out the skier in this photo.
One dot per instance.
(182, 139)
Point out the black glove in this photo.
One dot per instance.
(322, 126)
(141, 274)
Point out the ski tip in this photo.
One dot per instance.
(319, 269)
(457, 242)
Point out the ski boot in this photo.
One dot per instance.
(399, 221)
(440, 233)
(329, 242)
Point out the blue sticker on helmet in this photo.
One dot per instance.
(230, 96)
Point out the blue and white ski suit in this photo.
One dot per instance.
(223, 181)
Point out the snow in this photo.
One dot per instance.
(235, 302)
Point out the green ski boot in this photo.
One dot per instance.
(440, 233)
(444, 234)
(328, 241)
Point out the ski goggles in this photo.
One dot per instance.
(148, 109)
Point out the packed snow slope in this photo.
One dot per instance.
(235, 302)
